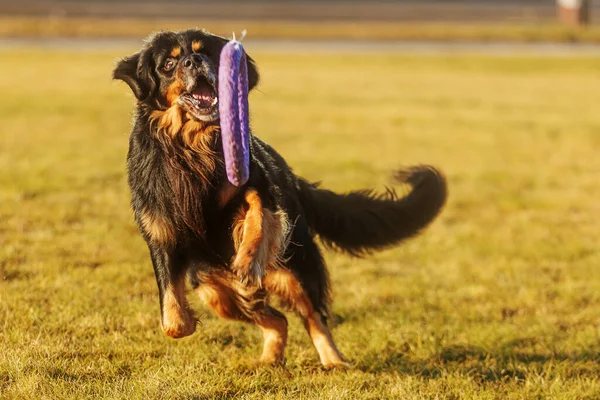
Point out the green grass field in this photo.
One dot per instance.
(499, 299)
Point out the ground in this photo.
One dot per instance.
(500, 298)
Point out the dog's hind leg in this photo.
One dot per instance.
(285, 285)
(230, 299)
(323, 341)
(274, 327)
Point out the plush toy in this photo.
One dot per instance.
(233, 110)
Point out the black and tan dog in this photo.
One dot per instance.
(238, 247)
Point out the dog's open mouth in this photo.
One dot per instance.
(201, 101)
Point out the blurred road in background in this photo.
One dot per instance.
(379, 20)
(398, 10)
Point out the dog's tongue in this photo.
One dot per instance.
(203, 96)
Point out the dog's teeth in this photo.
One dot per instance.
(215, 101)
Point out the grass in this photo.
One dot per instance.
(499, 299)
(44, 27)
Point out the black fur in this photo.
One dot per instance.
(362, 221)
(185, 191)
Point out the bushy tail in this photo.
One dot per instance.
(362, 221)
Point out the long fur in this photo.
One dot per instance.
(240, 245)
(362, 221)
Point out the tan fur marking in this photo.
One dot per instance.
(169, 121)
(196, 45)
(157, 227)
(224, 295)
(176, 51)
(197, 135)
(323, 341)
(275, 332)
(190, 128)
(284, 284)
(174, 91)
(221, 298)
(248, 237)
(177, 319)
(259, 238)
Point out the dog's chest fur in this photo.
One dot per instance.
(177, 176)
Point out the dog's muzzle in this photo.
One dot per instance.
(200, 96)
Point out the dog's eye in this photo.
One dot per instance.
(169, 64)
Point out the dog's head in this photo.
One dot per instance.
(179, 68)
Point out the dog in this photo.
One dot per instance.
(240, 247)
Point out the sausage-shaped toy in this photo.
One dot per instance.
(233, 110)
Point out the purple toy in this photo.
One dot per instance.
(233, 110)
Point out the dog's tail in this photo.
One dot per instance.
(362, 221)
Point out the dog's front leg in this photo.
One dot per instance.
(251, 250)
(177, 320)
(259, 236)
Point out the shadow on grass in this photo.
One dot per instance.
(510, 361)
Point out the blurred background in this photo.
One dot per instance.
(526, 20)
(499, 298)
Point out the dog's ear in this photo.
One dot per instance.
(253, 76)
(135, 71)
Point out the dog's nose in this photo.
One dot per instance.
(192, 61)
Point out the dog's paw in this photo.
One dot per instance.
(179, 326)
(338, 365)
(272, 360)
